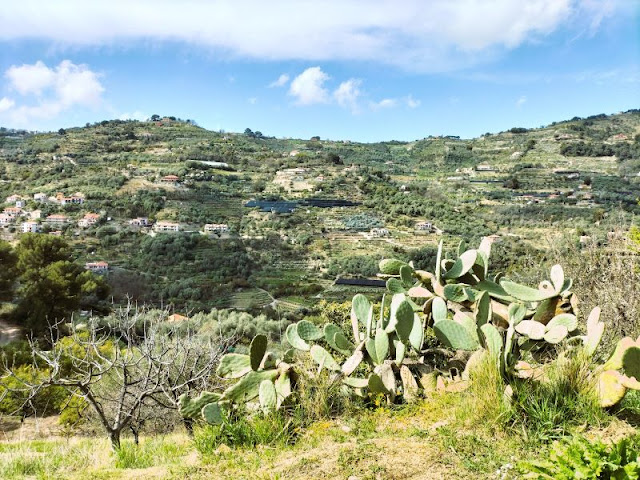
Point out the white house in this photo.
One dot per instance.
(13, 198)
(97, 267)
(57, 219)
(166, 227)
(40, 197)
(31, 227)
(140, 222)
(218, 228)
(5, 219)
(379, 232)
(14, 212)
(424, 226)
(88, 220)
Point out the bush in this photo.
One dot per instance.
(580, 458)
(241, 430)
(566, 398)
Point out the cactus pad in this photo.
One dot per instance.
(404, 320)
(352, 362)
(234, 365)
(492, 339)
(324, 358)
(610, 388)
(390, 266)
(294, 339)
(191, 407)
(532, 329)
(267, 395)
(248, 387)
(382, 345)
(257, 350)
(438, 310)
(462, 265)
(308, 331)
(455, 336)
(631, 362)
(556, 334)
(567, 319)
(524, 293)
(212, 413)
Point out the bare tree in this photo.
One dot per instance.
(123, 370)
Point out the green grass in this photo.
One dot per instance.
(151, 451)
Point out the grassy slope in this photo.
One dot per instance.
(432, 440)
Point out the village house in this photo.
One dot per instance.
(218, 228)
(166, 227)
(13, 212)
(57, 219)
(88, 220)
(379, 232)
(170, 179)
(5, 219)
(97, 267)
(13, 198)
(75, 199)
(139, 222)
(428, 227)
(424, 226)
(31, 227)
(483, 167)
(40, 197)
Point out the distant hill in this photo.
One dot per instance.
(576, 178)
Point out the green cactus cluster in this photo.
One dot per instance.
(260, 375)
(471, 314)
(383, 350)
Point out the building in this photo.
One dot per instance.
(483, 167)
(6, 219)
(21, 203)
(75, 199)
(140, 222)
(424, 227)
(31, 227)
(13, 198)
(218, 228)
(166, 227)
(172, 179)
(40, 197)
(97, 267)
(13, 212)
(57, 219)
(89, 220)
(379, 232)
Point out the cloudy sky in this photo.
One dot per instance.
(341, 69)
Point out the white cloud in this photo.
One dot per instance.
(384, 103)
(412, 102)
(6, 104)
(26, 79)
(521, 101)
(347, 94)
(47, 92)
(435, 35)
(280, 82)
(252, 100)
(308, 87)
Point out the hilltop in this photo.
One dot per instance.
(575, 179)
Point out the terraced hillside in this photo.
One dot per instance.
(576, 180)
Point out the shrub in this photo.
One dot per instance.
(241, 430)
(580, 458)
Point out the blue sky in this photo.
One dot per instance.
(364, 70)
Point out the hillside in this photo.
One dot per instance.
(575, 180)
